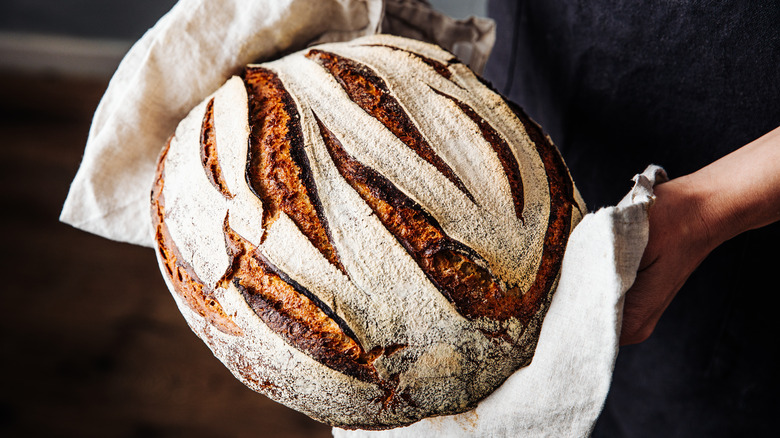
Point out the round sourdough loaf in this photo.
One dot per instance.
(364, 231)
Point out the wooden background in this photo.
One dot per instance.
(92, 343)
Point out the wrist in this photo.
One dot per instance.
(738, 192)
(715, 209)
(689, 208)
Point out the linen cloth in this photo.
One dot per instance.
(199, 44)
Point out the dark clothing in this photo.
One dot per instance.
(681, 83)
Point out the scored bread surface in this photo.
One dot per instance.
(364, 231)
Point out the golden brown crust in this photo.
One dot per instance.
(450, 265)
(440, 67)
(186, 283)
(502, 150)
(284, 306)
(278, 169)
(294, 313)
(208, 152)
(562, 203)
(370, 92)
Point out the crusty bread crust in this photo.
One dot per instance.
(364, 231)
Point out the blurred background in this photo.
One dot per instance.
(92, 343)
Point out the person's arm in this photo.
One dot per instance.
(694, 214)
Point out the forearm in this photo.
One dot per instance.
(692, 215)
(738, 192)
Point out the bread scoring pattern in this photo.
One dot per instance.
(369, 91)
(376, 232)
(279, 171)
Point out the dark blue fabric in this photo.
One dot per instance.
(619, 85)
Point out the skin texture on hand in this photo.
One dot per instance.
(694, 214)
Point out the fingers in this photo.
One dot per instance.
(656, 285)
(646, 302)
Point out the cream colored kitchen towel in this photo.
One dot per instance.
(192, 51)
(562, 391)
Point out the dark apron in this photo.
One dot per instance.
(619, 86)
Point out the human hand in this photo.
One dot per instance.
(694, 214)
(679, 241)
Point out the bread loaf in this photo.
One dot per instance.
(364, 231)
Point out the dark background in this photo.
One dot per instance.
(112, 19)
(92, 342)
